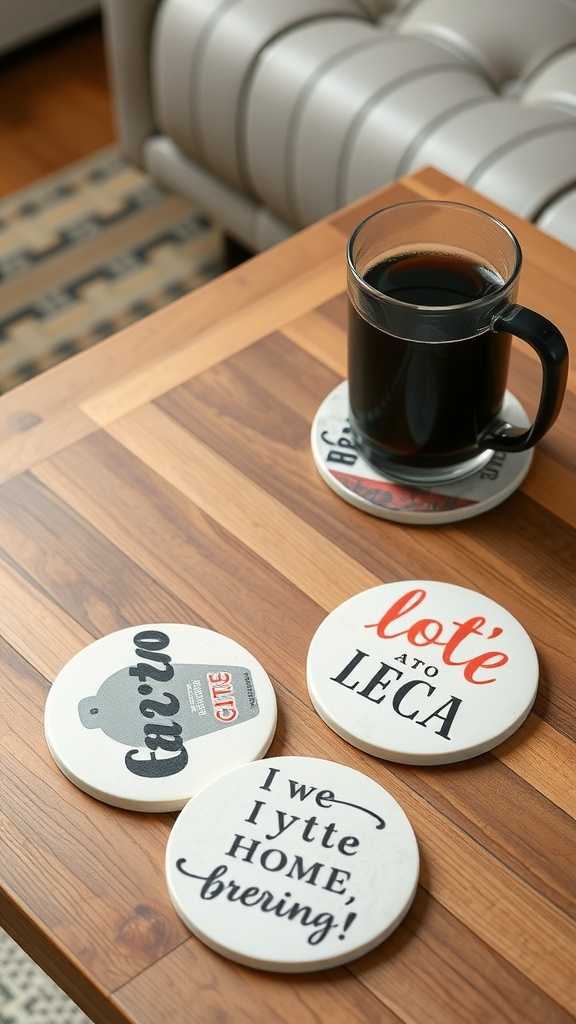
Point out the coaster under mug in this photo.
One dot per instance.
(355, 480)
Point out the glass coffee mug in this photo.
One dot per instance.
(432, 289)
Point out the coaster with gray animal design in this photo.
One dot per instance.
(145, 717)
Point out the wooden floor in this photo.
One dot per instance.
(55, 105)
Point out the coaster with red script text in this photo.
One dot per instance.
(352, 478)
(292, 864)
(145, 717)
(422, 672)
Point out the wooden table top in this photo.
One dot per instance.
(166, 475)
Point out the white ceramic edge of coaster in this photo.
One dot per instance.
(98, 794)
(161, 805)
(417, 760)
(428, 518)
(142, 806)
(296, 967)
(415, 518)
(426, 759)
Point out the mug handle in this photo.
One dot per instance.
(552, 351)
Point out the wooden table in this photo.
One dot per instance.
(166, 475)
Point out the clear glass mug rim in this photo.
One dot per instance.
(470, 304)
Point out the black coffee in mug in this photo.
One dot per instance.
(430, 322)
(434, 402)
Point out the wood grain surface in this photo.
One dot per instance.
(56, 105)
(166, 475)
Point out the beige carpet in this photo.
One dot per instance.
(88, 251)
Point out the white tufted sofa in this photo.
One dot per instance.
(272, 113)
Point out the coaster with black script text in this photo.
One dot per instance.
(422, 672)
(145, 717)
(292, 864)
(352, 478)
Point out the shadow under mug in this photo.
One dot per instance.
(431, 289)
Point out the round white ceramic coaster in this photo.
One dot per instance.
(422, 672)
(358, 483)
(292, 864)
(145, 717)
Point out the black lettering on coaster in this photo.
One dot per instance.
(145, 717)
(358, 483)
(292, 864)
(422, 672)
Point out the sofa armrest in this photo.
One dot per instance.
(127, 27)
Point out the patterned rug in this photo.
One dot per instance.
(88, 251)
(27, 995)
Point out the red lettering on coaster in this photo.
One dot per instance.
(422, 672)
(424, 632)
